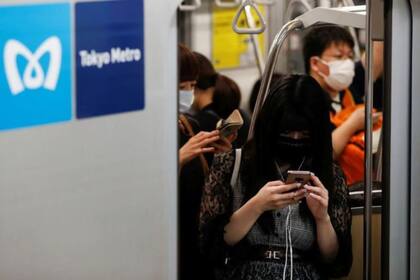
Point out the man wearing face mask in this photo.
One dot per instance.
(328, 55)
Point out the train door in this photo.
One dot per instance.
(401, 162)
(415, 143)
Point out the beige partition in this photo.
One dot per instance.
(356, 272)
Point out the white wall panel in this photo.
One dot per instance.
(96, 199)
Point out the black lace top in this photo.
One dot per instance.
(220, 200)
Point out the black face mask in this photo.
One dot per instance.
(293, 150)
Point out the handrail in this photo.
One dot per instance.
(189, 8)
(359, 210)
(254, 40)
(265, 2)
(362, 192)
(379, 158)
(367, 217)
(289, 9)
(229, 4)
(270, 67)
(247, 4)
(347, 16)
(357, 52)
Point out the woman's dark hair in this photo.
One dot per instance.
(294, 95)
(319, 38)
(207, 75)
(226, 97)
(187, 64)
(256, 89)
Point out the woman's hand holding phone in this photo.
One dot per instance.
(223, 145)
(204, 142)
(317, 199)
(277, 195)
(198, 144)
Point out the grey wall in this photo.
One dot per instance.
(415, 145)
(397, 159)
(96, 199)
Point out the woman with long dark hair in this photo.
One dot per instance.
(254, 225)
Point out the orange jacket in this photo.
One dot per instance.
(351, 159)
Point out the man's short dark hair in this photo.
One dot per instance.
(319, 38)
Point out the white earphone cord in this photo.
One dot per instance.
(289, 245)
(291, 248)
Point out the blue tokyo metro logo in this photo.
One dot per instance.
(33, 75)
(35, 69)
(110, 76)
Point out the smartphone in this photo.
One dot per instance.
(295, 176)
(229, 130)
(231, 125)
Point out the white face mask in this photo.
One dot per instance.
(341, 73)
(186, 99)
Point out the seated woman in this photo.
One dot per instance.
(255, 226)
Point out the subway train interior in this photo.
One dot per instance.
(209, 139)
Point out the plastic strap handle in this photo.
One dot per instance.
(367, 214)
(265, 2)
(229, 4)
(254, 40)
(189, 8)
(250, 30)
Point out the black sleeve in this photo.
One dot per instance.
(341, 219)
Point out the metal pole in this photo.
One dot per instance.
(352, 31)
(367, 229)
(270, 67)
(265, 2)
(189, 8)
(296, 3)
(229, 4)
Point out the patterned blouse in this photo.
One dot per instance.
(220, 200)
